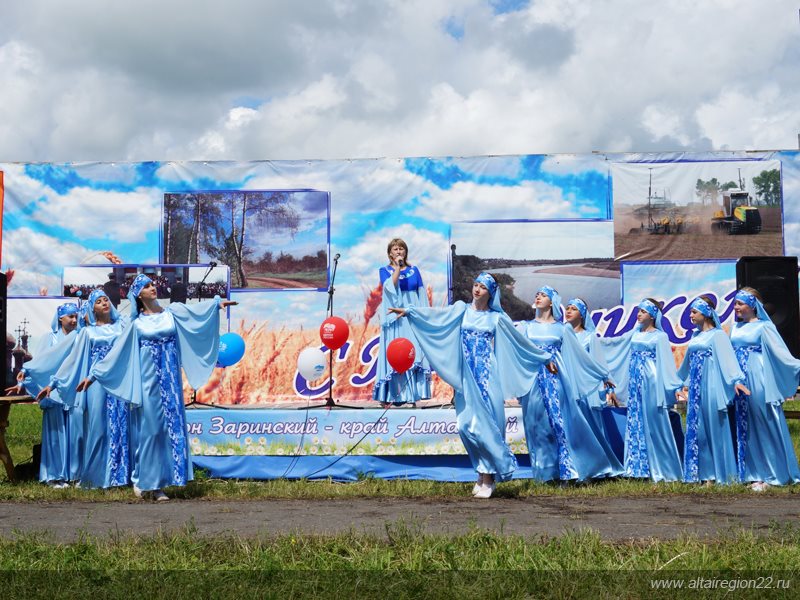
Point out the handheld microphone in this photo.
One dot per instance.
(401, 263)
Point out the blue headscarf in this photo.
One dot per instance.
(654, 311)
(578, 303)
(62, 311)
(754, 303)
(136, 288)
(494, 290)
(705, 309)
(555, 299)
(99, 293)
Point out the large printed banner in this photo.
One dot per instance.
(609, 228)
(334, 433)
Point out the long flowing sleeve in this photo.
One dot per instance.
(726, 359)
(781, 369)
(120, 372)
(583, 374)
(438, 333)
(617, 353)
(74, 368)
(198, 338)
(518, 359)
(668, 379)
(40, 371)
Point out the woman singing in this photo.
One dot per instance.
(402, 287)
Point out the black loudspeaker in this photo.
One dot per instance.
(775, 277)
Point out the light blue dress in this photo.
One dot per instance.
(51, 352)
(144, 369)
(592, 405)
(414, 384)
(561, 442)
(710, 371)
(764, 446)
(642, 364)
(486, 360)
(105, 459)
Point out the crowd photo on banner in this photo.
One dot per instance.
(561, 318)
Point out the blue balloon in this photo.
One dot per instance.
(231, 349)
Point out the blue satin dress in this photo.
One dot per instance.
(561, 442)
(710, 370)
(414, 384)
(486, 360)
(643, 366)
(592, 405)
(105, 458)
(54, 466)
(144, 369)
(764, 446)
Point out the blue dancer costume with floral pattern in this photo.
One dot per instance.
(486, 360)
(562, 443)
(415, 383)
(642, 363)
(105, 458)
(764, 445)
(144, 369)
(710, 371)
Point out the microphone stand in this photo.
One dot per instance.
(211, 266)
(329, 401)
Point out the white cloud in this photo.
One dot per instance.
(36, 259)
(281, 80)
(126, 216)
(467, 200)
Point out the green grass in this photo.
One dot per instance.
(405, 562)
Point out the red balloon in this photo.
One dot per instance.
(334, 332)
(401, 354)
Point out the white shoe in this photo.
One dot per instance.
(476, 488)
(759, 486)
(160, 496)
(486, 491)
(136, 491)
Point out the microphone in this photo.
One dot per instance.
(401, 263)
(212, 264)
(337, 256)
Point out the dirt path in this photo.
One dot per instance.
(274, 282)
(618, 518)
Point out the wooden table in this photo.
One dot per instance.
(5, 409)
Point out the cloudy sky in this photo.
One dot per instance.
(285, 79)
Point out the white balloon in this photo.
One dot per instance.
(311, 363)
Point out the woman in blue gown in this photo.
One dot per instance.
(105, 458)
(765, 454)
(643, 364)
(402, 287)
(476, 349)
(54, 467)
(144, 369)
(713, 376)
(577, 315)
(562, 444)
